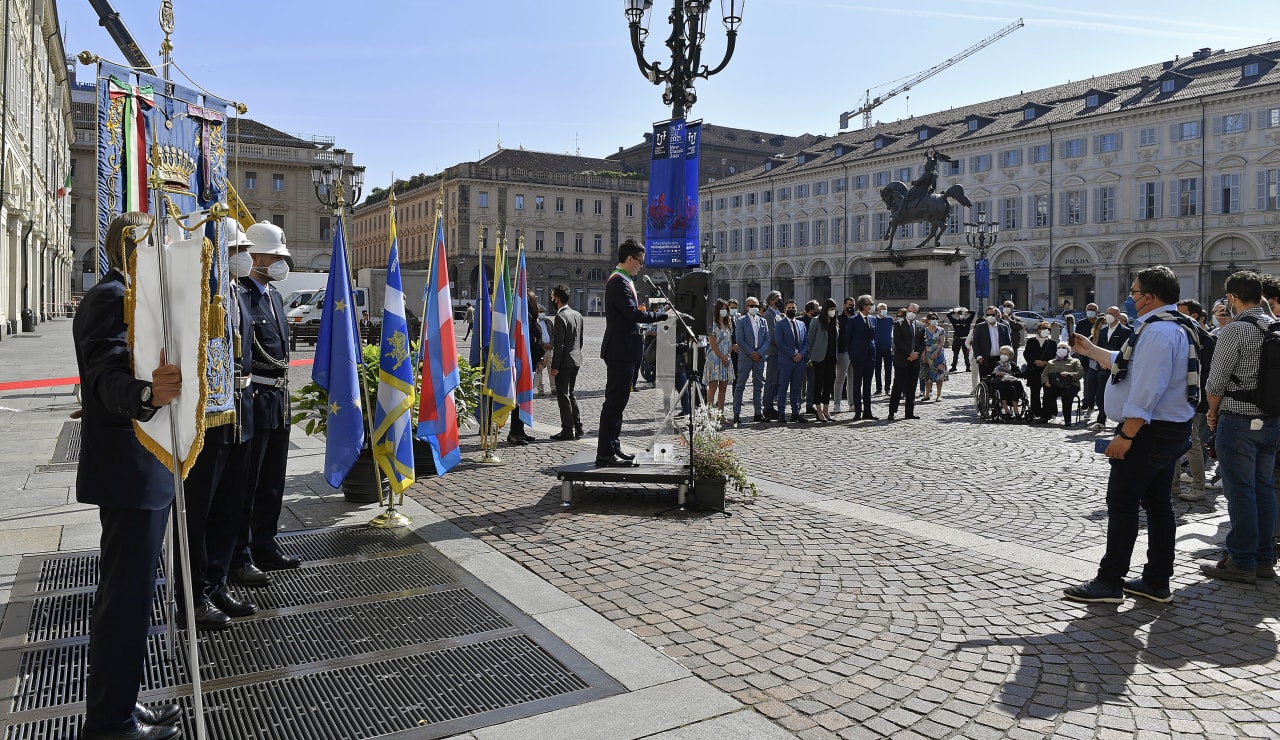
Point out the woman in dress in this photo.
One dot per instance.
(717, 372)
(824, 340)
(935, 356)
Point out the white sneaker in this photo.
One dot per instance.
(1195, 494)
(1186, 478)
(838, 408)
(1095, 426)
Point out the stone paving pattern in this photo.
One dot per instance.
(892, 579)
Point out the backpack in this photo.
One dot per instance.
(1266, 395)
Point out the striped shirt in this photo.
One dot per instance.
(1236, 360)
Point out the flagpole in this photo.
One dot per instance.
(488, 434)
(389, 519)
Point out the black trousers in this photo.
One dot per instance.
(1051, 396)
(905, 377)
(824, 381)
(1034, 380)
(131, 540)
(958, 347)
(617, 391)
(565, 382)
(884, 362)
(268, 457)
(216, 490)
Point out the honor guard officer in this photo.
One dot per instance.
(257, 548)
(133, 491)
(216, 488)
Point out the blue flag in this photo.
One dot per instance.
(336, 366)
(500, 372)
(392, 422)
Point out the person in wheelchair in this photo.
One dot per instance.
(1061, 379)
(1006, 384)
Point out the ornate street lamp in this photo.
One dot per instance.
(688, 20)
(982, 236)
(335, 181)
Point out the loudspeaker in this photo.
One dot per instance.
(692, 291)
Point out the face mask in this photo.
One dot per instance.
(884, 312)
(911, 315)
(753, 310)
(733, 312)
(1044, 334)
(791, 313)
(1007, 310)
(848, 311)
(831, 313)
(933, 322)
(240, 265)
(1110, 319)
(724, 312)
(991, 318)
(1004, 358)
(1091, 314)
(1062, 353)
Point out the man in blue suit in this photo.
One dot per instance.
(860, 344)
(792, 339)
(884, 349)
(752, 348)
(621, 351)
(133, 492)
(772, 312)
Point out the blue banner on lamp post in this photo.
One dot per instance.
(982, 279)
(671, 216)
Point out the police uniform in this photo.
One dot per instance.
(133, 491)
(621, 351)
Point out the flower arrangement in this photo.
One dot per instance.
(713, 456)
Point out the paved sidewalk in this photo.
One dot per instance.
(892, 579)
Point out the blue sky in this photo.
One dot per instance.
(418, 85)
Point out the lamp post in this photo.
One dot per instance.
(688, 20)
(982, 236)
(335, 181)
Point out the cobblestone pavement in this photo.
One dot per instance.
(893, 579)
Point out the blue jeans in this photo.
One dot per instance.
(1246, 460)
(754, 369)
(1141, 481)
(790, 382)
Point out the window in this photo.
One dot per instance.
(859, 182)
(1072, 148)
(597, 244)
(278, 219)
(766, 196)
(559, 204)
(751, 199)
(1009, 219)
(631, 210)
(982, 163)
(73, 217)
(1189, 196)
(922, 135)
(1269, 118)
(820, 187)
(882, 179)
(1091, 101)
(1148, 200)
(1168, 86)
(720, 204)
(1041, 204)
(482, 199)
(1040, 153)
(802, 191)
(1109, 142)
(954, 167)
(1185, 130)
(277, 183)
(251, 181)
(73, 167)
(766, 237)
(858, 228)
(599, 210)
(1029, 114)
(1269, 190)
(953, 222)
(325, 233)
(973, 124)
(720, 238)
(579, 206)
(879, 225)
(1147, 136)
(1234, 123)
(837, 186)
(1011, 158)
(904, 174)
(539, 241)
(735, 240)
(539, 203)
(519, 202)
(706, 205)
(802, 233)
(1073, 208)
(736, 201)
(1226, 193)
(1251, 69)
(1106, 205)
(784, 234)
(784, 193)
(577, 243)
(837, 231)
(751, 239)
(559, 241)
(819, 232)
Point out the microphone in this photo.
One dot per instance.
(649, 282)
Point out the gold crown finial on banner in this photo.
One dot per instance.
(174, 169)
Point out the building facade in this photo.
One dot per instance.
(571, 219)
(36, 131)
(270, 170)
(1175, 163)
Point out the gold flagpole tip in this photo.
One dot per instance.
(87, 57)
(241, 108)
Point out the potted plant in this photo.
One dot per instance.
(311, 409)
(715, 465)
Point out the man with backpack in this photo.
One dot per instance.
(1244, 399)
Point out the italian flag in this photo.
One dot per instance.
(66, 188)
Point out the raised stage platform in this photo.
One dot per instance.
(581, 469)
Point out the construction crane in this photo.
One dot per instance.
(109, 19)
(871, 104)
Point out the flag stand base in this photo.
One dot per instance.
(390, 519)
(489, 457)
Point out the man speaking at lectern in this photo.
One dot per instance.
(621, 351)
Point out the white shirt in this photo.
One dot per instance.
(995, 339)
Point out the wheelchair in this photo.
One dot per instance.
(987, 401)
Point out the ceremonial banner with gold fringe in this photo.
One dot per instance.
(187, 266)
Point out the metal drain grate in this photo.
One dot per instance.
(58, 727)
(67, 615)
(50, 677)
(60, 573)
(343, 542)
(318, 584)
(67, 449)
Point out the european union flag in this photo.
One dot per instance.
(336, 366)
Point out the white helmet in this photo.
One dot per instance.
(235, 235)
(267, 238)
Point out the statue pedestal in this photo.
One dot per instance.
(929, 277)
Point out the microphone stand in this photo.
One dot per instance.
(692, 388)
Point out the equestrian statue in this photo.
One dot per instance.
(920, 204)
